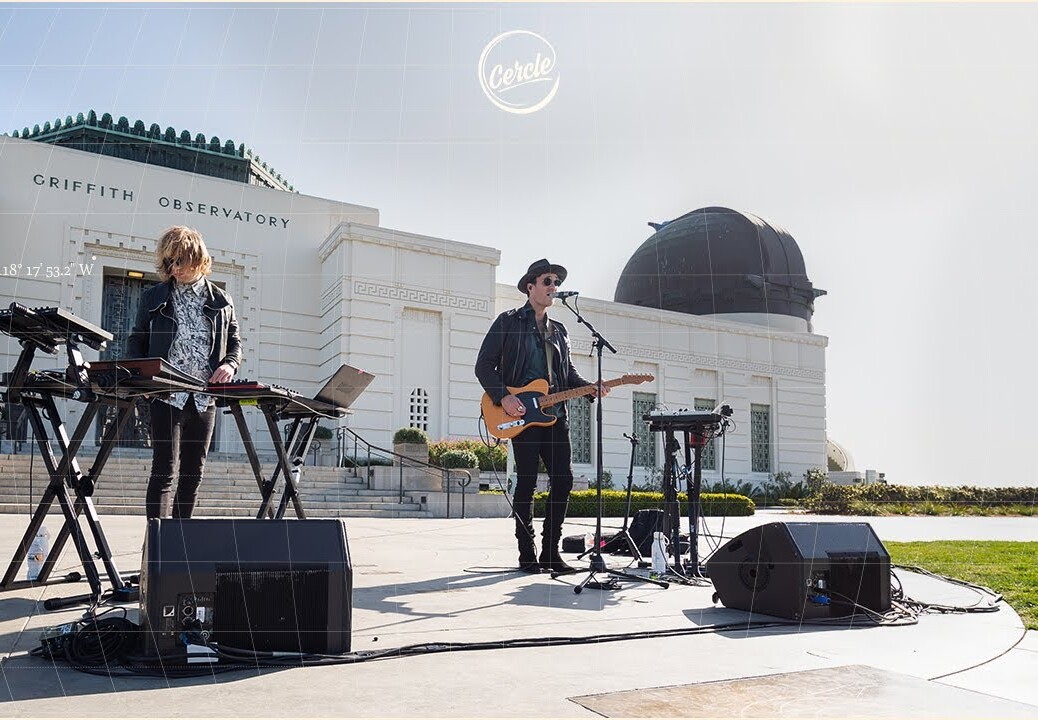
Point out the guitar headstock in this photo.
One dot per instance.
(637, 379)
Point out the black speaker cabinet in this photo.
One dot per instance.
(803, 570)
(255, 584)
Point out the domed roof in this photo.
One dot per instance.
(716, 261)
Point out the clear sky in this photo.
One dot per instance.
(896, 143)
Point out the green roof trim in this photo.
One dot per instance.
(152, 134)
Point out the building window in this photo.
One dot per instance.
(760, 438)
(419, 409)
(580, 430)
(645, 453)
(710, 451)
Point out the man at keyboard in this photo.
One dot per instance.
(190, 322)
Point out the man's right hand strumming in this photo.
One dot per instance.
(513, 406)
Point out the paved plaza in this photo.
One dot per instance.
(426, 581)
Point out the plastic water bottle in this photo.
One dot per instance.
(38, 551)
(589, 540)
(659, 553)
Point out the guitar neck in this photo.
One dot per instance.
(565, 395)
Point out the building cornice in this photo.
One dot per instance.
(688, 322)
(387, 237)
(646, 352)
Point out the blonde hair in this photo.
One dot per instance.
(182, 244)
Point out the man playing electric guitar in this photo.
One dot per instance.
(521, 346)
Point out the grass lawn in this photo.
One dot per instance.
(1009, 568)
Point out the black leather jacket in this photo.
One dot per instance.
(502, 358)
(155, 326)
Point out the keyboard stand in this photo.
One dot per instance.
(65, 474)
(290, 455)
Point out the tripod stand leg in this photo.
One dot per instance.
(627, 576)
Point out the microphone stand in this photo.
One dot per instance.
(597, 563)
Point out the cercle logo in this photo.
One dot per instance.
(517, 71)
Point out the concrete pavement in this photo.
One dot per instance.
(436, 581)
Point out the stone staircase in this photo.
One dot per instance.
(228, 489)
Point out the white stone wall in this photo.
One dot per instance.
(736, 363)
(323, 284)
(412, 310)
(60, 206)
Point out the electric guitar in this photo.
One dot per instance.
(534, 397)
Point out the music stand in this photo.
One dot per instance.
(597, 562)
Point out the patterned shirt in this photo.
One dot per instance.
(190, 349)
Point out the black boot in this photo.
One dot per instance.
(524, 537)
(550, 559)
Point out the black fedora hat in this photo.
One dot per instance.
(541, 267)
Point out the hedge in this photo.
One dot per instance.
(871, 499)
(458, 459)
(584, 503)
(490, 458)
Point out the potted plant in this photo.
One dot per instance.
(411, 442)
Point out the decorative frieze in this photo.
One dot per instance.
(420, 296)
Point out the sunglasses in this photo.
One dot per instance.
(548, 282)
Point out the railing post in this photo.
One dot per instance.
(464, 484)
(446, 481)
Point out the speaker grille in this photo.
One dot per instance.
(755, 573)
(271, 609)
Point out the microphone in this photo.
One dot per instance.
(562, 295)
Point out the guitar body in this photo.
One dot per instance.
(502, 425)
(535, 398)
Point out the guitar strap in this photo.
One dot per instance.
(548, 347)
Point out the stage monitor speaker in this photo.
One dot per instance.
(803, 570)
(261, 585)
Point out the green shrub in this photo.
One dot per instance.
(653, 482)
(584, 503)
(736, 487)
(814, 478)
(880, 498)
(323, 433)
(607, 479)
(410, 435)
(458, 459)
(493, 457)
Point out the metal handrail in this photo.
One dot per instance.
(341, 434)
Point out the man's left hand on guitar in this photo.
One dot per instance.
(602, 390)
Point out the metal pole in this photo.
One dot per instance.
(445, 479)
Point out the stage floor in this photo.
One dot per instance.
(429, 581)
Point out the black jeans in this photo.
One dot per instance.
(550, 444)
(182, 435)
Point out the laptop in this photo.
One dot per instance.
(344, 387)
